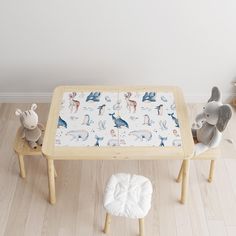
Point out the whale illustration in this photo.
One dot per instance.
(61, 123)
(119, 122)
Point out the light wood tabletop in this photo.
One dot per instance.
(117, 123)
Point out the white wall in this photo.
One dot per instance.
(187, 43)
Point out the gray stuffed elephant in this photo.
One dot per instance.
(31, 129)
(210, 123)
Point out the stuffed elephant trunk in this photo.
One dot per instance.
(199, 120)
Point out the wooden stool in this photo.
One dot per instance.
(211, 154)
(22, 149)
(128, 196)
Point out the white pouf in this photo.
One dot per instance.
(128, 195)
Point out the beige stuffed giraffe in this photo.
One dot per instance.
(30, 127)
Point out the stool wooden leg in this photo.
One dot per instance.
(51, 181)
(185, 181)
(141, 227)
(180, 175)
(22, 165)
(55, 172)
(107, 223)
(211, 173)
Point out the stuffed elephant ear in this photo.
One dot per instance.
(225, 113)
(18, 112)
(215, 95)
(33, 106)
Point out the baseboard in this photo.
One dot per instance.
(46, 97)
(25, 97)
(196, 98)
(203, 98)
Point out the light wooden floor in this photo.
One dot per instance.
(24, 209)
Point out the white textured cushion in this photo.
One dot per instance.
(128, 195)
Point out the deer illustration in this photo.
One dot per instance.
(130, 103)
(73, 102)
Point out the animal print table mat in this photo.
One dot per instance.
(127, 118)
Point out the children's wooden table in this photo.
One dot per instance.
(117, 123)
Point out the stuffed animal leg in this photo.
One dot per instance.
(40, 141)
(32, 144)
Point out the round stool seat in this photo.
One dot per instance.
(128, 195)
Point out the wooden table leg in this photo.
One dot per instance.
(211, 173)
(180, 175)
(51, 181)
(185, 180)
